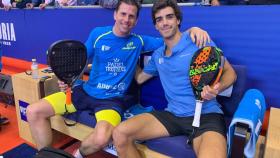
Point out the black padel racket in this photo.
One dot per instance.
(205, 69)
(67, 58)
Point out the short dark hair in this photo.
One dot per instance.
(161, 4)
(130, 2)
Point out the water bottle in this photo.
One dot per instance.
(35, 69)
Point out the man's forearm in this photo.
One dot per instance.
(141, 76)
(228, 77)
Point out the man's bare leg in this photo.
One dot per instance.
(210, 145)
(38, 115)
(140, 127)
(98, 139)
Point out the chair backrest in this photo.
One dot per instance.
(230, 104)
(152, 93)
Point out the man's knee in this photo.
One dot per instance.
(32, 111)
(101, 141)
(119, 135)
(39, 110)
(212, 144)
(97, 142)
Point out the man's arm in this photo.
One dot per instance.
(7, 4)
(45, 3)
(34, 3)
(227, 79)
(141, 76)
(199, 36)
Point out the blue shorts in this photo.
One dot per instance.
(83, 101)
(110, 109)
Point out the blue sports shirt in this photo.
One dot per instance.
(114, 60)
(173, 73)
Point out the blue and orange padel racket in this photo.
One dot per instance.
(206, 68)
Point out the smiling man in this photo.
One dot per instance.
(114, 51)
(171, 63)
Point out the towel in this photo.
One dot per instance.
(251, 112)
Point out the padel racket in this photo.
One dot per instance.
(67, 58)
(205, 69)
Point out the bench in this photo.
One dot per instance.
(156, 148)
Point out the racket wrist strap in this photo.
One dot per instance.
(68, 96)
(196, 118)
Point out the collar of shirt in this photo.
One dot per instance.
(180, 46)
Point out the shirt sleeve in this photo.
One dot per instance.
(150, 67)
(48, 1)
(212, 43)
(90, 43)
(7, 2)
(151, 43)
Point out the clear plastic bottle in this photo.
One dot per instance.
(35, 69)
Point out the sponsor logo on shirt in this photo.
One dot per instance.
(103, 86)
(160, 60)
(105, 48)
(119, 87)
(129, 46)
(115, 67)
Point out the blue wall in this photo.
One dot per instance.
(248, 35)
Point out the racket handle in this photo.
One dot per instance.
(68, 96)
(197, 113)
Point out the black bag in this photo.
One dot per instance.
(49, 152)
(6, 90)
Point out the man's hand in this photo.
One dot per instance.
(215, 3)
(43, 5)
(209, 92)
(7, 7)
(199, 36)
(64, 2)
(62, 86)
(29, 6)
(141, 76)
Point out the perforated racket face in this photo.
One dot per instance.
(67, 59)
(204, 68)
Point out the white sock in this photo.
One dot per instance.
(78, 154)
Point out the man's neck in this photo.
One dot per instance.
(171, 42)
(118, 33)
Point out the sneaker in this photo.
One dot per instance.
(4, 120)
